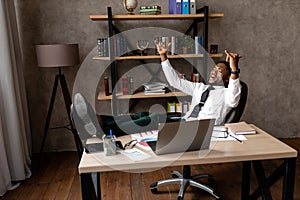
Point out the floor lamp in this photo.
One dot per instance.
(59, 55)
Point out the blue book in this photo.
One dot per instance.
(185, 7)
(198, 44)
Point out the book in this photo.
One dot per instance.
(240, 128)
(154, 85)
(124, 85)
(150, 7)
(151, 13)
(154, 92)
(198, 44)
(150, 10)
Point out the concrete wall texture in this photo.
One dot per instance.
(265, 33)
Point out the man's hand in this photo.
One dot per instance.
(233, 59)
(162, 49)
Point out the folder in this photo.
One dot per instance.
(178, 7)
(192, 6)
(185, 107)
(185, 7)
(171, 107)
(172, 7)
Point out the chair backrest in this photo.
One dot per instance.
(236, 113)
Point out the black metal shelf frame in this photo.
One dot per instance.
(193, 27)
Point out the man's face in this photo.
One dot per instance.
(219, 74)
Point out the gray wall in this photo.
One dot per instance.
(264, 32)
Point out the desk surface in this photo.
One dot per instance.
(261, 146)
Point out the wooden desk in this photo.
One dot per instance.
(256, 148)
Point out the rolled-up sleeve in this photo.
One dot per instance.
(233, 92)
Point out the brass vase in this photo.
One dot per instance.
(130, 5)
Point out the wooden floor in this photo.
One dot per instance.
(57, 178)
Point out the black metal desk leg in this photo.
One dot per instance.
(246, 173)
(289, 179)
(261, 179)
(87, 187)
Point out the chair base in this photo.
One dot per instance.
(186, 180)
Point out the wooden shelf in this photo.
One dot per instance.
(219, 55)
(140, 95)
(155, 17)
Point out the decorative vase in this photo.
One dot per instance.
(130, 5)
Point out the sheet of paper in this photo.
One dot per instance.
(143, 137)
(221, 136)
(135, 154)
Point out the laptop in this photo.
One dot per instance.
(182, 136)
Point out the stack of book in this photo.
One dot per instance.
(154, 88)
(150, 10)
(194, 45)
(127, 85)
(102, 45)
(118, 44)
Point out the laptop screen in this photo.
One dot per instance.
(176, 137)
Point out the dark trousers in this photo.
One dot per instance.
(134, 123)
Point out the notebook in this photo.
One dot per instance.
(182, 136)
(240, 128)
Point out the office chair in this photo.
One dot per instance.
(185, 178)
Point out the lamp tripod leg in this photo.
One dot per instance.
(68, 103)
(46, 127)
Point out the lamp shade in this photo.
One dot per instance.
(57, 55)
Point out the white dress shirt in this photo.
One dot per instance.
(219, 102)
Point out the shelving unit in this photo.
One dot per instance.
(201, 16)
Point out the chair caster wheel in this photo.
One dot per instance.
(180, 198)
(154, 190)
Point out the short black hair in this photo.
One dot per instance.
(226, 64)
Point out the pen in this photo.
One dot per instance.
(236, 138)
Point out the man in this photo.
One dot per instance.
(223, 87)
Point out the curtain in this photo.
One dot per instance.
(15, 141)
